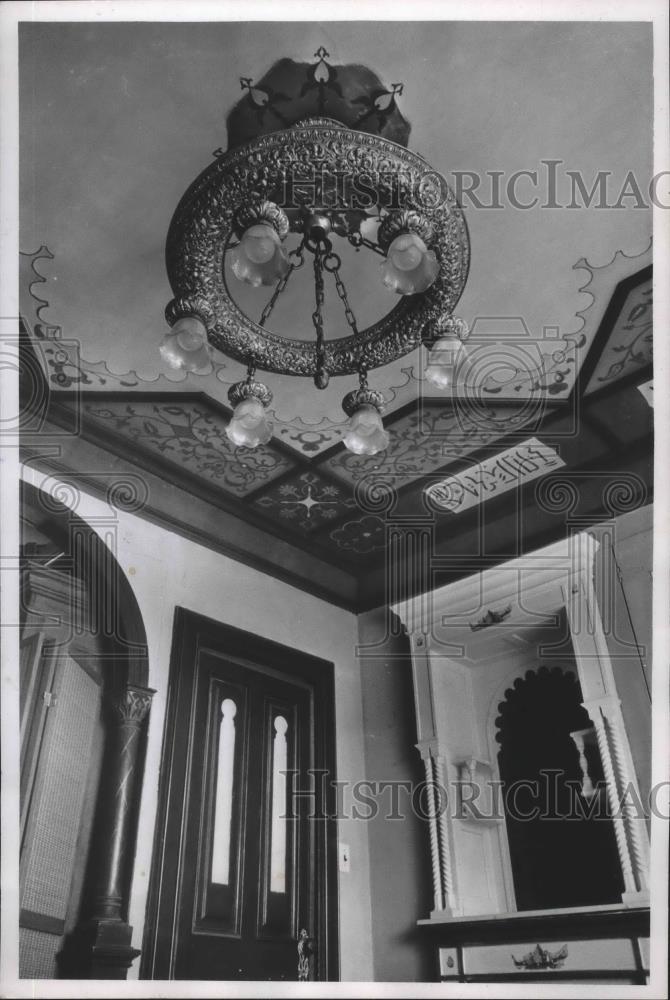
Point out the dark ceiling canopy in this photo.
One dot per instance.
(293, 91)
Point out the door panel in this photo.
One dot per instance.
(240, 866)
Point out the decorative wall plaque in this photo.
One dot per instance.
(494, 476)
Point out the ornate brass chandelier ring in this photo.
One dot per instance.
(321, 180)
(296, 162)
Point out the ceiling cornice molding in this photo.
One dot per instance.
(178, 510)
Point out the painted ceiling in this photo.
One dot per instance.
(118, 119)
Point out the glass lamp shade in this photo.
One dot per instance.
(259, 258)
(445, 357)
(249, 425)
(185, 346)
(410, 266)
(364, 433)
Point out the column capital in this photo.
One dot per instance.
(608, 706)
(132, 704)
(431, 748)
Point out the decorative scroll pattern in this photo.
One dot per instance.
(421, 443)
(64, 364)
(553, 374)
(630, 345)
(193, 436)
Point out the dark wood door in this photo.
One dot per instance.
(243, 863)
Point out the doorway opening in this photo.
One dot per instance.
(245, 856)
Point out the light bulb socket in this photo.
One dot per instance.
(182, 308)
(362, 397)
(447, 327)
(396, 223)
(257, 212)
(249, 389)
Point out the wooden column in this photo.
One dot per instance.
(630, 829)
(100, 947)
(602, 703)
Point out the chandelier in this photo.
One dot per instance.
(336, 175)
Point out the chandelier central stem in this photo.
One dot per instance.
(321, 377)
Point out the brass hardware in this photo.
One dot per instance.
(306, 947)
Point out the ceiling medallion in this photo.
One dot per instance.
(290, 199)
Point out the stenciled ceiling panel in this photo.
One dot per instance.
(629, 345)
(191, 435)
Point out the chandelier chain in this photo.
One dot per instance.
(357, 241)
(282, 283)
(332, 264)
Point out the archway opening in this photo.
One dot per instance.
(561, 838)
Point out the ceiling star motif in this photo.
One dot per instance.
(306, 502)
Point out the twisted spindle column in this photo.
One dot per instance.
(612, 795)
(446, 869)
(605, 715)
(637, 838)
(438, 896)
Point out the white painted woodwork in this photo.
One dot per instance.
(460, 677)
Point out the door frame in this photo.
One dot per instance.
(192, 630)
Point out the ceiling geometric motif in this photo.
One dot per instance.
(306, 502)
(362, 535)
